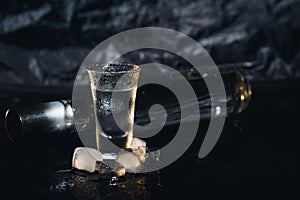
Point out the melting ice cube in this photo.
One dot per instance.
(85, 159)
(138, 147)
(132, 160)
(136, 143)
(89, 159)
(129, 160)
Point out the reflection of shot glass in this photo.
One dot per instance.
(113, 89)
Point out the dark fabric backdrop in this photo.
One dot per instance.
(44, 42)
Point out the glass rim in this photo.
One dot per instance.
(97, 68)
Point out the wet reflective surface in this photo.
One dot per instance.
(256, 156)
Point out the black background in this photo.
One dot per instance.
(42, 44)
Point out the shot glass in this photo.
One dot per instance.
(113, 88)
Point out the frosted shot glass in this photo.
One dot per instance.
(113, 88)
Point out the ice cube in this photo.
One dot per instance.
(140, 152)
(138, 147)
(136, 143)
(85, 159)
(109, 156)
(129, 160)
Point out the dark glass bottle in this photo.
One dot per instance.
(58, 116)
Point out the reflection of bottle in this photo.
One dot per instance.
(58, 116)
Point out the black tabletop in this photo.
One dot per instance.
(256, 157)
